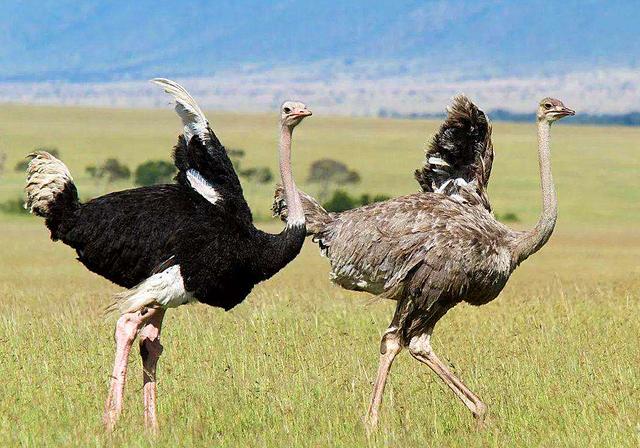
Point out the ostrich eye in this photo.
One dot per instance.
(286, 110)
(547, 105)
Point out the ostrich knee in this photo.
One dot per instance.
(127, 328)
(390, 342)
(420, 347)
(150, 350)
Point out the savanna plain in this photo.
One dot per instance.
(556, 356)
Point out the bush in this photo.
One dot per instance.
(14, 207)
(260, 175)
(341, 201)
(365, 199)
(508, 217)
(154, 172)
(111, 170)
(235, 155)
(327, 172)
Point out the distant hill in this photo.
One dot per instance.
(94, 40)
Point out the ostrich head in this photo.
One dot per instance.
(292, 113)
(551, 109)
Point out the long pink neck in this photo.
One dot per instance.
(295, 216)
(537, 237)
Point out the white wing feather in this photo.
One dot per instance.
(203, 187)
(193, 119)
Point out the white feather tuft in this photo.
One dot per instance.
(164, 289)
(193, 119)
(203, 187)
(46, 177)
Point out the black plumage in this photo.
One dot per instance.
(124, 236)
(169, 244)
(460, 154)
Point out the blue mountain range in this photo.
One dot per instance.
(94, 40)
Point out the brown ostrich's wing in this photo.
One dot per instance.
(375, 248)
(460, 155)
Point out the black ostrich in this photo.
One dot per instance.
(170, 244)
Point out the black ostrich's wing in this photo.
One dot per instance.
(202, 161)
(460, 156)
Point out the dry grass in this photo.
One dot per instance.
(555, 356)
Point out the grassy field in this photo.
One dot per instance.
(556, 356)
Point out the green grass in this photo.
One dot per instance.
(555, 357)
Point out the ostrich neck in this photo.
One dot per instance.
(531, 241)
(292, 197)
(279, 249)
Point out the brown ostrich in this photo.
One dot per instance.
(431, 250)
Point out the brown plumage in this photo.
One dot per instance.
(431, 250)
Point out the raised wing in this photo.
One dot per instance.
(203, 163)
(459, 158)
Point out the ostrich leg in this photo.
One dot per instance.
(126, 329)
(420, 348)
(150, 351)
(389, 347)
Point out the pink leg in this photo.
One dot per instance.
(126, 329)
(389, 348)
(150, 351)
(420, 348)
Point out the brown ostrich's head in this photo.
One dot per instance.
(293, 112)
(551, 109)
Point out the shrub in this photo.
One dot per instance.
(14, 206)
(508, 217)
(260, 175)
(328, 172)
(341, 201)
(154, 172)
(111, 170)
(365, 199)
(235, 155)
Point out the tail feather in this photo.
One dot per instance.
(50, 190)
(316, 216)
(131, 301)
(461, 149)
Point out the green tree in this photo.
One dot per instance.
(154, 172)
(259, 175)
(339, 202)
(110, 171)
(329, 172)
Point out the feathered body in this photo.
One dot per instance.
(201, 224)
(169, 244)
(441, 246)
(434, 249)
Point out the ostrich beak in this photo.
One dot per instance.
(566, 112)
(303, 113)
